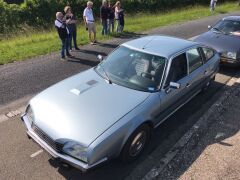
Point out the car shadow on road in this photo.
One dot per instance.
(213, 147)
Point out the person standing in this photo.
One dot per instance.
(104, 14)
(89, 22)
(110, 18)
(118, 9)
(63, 33)
(72, 27)
(213, 5)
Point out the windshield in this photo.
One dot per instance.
(133, 69)
(227, 26)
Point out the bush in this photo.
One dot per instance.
(41, 13)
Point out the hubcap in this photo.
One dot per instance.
(138, 143)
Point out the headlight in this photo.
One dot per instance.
(230, 55)
(30, 115)
(76, 150)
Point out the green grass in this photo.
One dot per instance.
(28, 45)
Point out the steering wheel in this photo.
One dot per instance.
(147, 75)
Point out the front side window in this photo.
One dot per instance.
(194, 59)
(133, 69)
(178, 69)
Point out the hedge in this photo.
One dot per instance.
(41, 13)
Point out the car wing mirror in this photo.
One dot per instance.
(209, 27)
(100, 58)
(175, 85)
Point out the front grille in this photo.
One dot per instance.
(56, 146)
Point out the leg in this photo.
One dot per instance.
(67, 46)
(75, 39)
(63, 48)
(70, 39)
(113, 25)
(106, 27)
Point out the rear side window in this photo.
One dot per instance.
(208, 53)
(194, 59)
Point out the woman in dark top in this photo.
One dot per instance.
(71, 24)
(111, 18)
(104, 13)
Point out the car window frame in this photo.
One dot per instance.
(166, 73)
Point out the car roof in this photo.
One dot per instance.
(232, 18)
(160, 45)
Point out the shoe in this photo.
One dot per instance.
(95, 41)
(69, 55)
(70, 50)
(77, 48)
(92, 43)
(63, 58)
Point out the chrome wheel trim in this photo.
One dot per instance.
(138, 143)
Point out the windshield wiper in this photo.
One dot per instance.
(106, 75)
(214, 28)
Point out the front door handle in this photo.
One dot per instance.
(188, 85)
(205, 72)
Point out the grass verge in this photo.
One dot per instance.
(33, 44)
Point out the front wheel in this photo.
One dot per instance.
(135, 144)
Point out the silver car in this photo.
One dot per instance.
(111, 109)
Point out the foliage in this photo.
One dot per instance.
(41, 13)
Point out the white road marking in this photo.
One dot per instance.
(3, 118)
(36, 153)
(11, 114)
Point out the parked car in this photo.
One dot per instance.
(111, 109)
(225, 38)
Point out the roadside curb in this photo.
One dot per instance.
(200, 127)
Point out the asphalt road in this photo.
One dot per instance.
(21, 80)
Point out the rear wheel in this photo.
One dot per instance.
(136, 143)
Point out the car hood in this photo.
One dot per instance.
(219, 41)
(82, 107)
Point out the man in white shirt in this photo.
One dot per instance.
(213, 5)
(89, 21)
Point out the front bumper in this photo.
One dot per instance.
(62, 157)
(225, 60)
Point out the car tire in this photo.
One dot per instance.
(136, 143)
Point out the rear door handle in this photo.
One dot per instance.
(205, 72)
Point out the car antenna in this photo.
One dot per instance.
(144, 46)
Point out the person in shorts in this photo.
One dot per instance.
(89, 22)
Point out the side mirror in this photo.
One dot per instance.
(209, 27)
(100, 57)
(175, 85)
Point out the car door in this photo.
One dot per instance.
(170, 97)
(211, 59)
